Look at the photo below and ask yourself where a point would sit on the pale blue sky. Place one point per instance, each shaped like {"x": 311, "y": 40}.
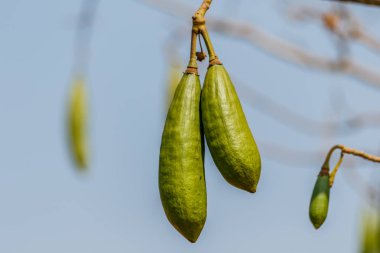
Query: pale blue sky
{"x": 47, "y": 207}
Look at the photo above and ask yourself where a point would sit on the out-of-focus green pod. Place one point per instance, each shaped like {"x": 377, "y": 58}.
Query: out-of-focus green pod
{"x": 227, "y": 132}
{"x": 181, "y": 171}
{"x": 319, "y": 204}
{"x": 370, "y": 241}
{"x": 78, "y": 122}
{"x": 175, "y": 75}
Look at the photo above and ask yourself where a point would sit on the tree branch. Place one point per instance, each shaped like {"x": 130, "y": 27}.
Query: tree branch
{"x": 367, "y": 2}
{"x": 83, "y": 35}
{"x": 355, "y": 152}
{"x": 347, "y": 25}
{"x": 293, "y": 53}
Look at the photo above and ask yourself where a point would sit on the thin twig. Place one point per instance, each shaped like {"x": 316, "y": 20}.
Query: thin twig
{"x": 350, "y": 151}
{"x": 352, "y": 29}
{"x": 368, "y": 40}
{"x": 293, "y": 53}
{"x": 335, "y": 170}
{"x": 344, "y": 150}
{"x": 300, "y": 158}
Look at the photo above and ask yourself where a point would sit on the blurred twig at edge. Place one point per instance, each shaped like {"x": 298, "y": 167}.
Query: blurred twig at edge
{"x": 367, "y": 2}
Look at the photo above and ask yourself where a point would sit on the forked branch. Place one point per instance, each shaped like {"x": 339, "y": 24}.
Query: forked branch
{"x": 199, "y": 27}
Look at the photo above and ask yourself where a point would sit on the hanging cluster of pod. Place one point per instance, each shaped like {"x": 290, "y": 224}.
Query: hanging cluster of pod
{"x": 216, "y": 113}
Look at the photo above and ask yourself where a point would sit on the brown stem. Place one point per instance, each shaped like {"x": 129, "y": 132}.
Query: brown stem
{"x": 212, "y": 56}
{"x": 199, "y": 27}
{"x": 201, "y": 12}
{"x": 351, "y": 151}
{"x": 198, "y": 22}
{"x": 344, "y": 150}
{"x": 335, "y": 170}
{"x": 367, "y": 2}
{"x": 202, "y": 29}
{"x": 192, "y": 66}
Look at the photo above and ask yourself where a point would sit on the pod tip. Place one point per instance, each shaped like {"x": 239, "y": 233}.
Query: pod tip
{"x": 252, "y": 189}
{"x": 317, "y": 222}
{"x": 317, "y": 225}
{"x": 192, "y": 238}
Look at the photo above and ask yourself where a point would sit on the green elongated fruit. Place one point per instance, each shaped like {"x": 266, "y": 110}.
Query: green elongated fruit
{"x": 370, "y": 242}
{"x": 174, "y": 78}
{"x": 181, "y": 170}
{"x": 228, "y": 136}
{"x": 319, "y": 203}
{"x": 78, "y": 122}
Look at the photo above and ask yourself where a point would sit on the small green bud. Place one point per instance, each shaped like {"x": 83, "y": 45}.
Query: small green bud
{"x": 319, "y": 203}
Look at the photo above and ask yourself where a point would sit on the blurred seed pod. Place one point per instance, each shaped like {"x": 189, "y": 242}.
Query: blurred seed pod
{"x": 77, "y": 122}
{"x": 370, "y": 234}
{"x": 175, "y": 75}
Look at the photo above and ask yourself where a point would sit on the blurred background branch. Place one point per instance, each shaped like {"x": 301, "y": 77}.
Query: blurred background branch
{"x": 84, "y": 29}
{"x": 276, "y": 46}
{"x": 368, "y": 2}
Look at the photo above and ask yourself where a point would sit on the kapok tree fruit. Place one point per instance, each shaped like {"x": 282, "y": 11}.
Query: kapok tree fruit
{"x": 181, "y": 169}
{"x": 173, "y": 80}
{"x": 77, "y": 123}
{"x": 227, "y": 132}
{"x": 370, "y": 233}
{"x": 319, "y": 203}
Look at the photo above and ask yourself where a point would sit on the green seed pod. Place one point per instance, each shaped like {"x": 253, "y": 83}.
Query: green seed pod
{"x": 319, "y": 204}
{"x": 228, "y": 136}
{"x": 181, "y": 171}
{"x": 77, "y": 122}
{"x": 174, "y": 78}
{"x": 370, "y": 242}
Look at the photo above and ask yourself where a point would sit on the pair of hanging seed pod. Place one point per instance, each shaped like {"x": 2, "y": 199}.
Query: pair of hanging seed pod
{"x": 215, "y": 112}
